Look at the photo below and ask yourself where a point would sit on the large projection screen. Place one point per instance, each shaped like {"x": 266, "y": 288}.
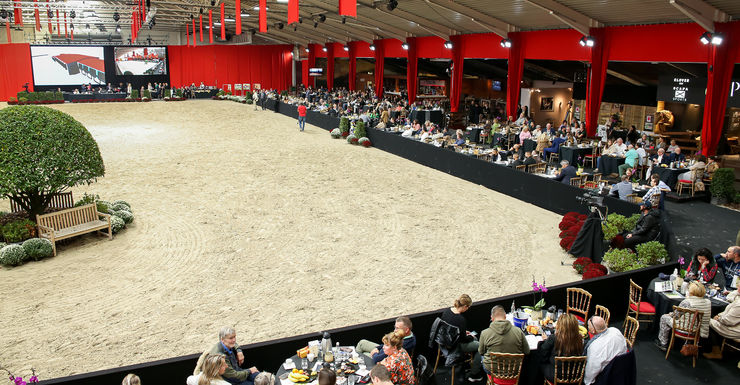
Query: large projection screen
{"x": 67, "y": 66}
{"x": 141, "y": 60}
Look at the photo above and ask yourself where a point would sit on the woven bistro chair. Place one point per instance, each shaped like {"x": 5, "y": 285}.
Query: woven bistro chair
{"x": 505, "y": 368}
{"x": 686, "y": 326}
{"x": 578, "y": 303}
{"x": 631, "y": 326}
{"x": 576, "y": 181}
{"x": 602, "y": 312}
{"x": 589, "y": 184}
{"x": 569, "y": 370}
{"x": 636, "y": 306}
{"x": 590, "y": 158}
{"x": 522, "y": 168}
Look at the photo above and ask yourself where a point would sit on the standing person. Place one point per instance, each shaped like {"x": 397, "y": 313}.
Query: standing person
{"x": 302, "y": 116}
{"x": 566, "y": 342}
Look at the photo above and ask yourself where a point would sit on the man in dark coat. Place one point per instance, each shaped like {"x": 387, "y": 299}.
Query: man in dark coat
{"x": 566, "y": 172}
{"x": 647, "y": 227}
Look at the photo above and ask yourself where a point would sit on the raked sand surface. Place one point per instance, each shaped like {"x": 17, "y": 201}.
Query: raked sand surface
{"x": 237, "y": 214}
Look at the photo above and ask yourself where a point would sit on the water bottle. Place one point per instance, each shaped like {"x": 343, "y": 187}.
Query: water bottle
{"x": 674, "y": 275}
{"x": 513, "y": 308}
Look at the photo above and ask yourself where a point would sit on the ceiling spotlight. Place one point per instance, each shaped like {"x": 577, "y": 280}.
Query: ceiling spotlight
{"x": 405, "y": 46}
{"x": 315, "y": 24}
{"x": 587, "y": 41}
{"x": 346, "y": 48}
{"x": 344, "y": 20}
{"x": 116, "y": 16}
{"x": 324, "y": 49}
{"x": 213, "y": 3}
{"x": 717, "y": 39}
{"x": 372, "y": 47}
{"x": 705, "y": 38}
{"x": 118, "y": 28}
{"x": 448, "y": 44}
{"x": 295, "y": 28}
{"x": 280, "y": 25}
{"x": 72, "y": 14}
{"x": 322, "y": 18}
{"x": 49, "y": 13}
{"x": 505, "y": 43}
{"x": 307, "y": 50}
{"x": 3, "y": 14}
{"x": 392, "y": 4}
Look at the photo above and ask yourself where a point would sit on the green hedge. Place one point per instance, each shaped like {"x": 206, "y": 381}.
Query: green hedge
{"x": 40, "y": 96}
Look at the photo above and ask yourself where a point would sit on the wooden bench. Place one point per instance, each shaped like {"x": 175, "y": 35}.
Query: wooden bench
{"x": 63, "y": 200}
{"x": 72, "y": 222}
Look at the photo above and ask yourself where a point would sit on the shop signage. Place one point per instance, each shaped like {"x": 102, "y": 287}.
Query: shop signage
{"x": 734, "y": 99}
{"x": 682, "y": 89}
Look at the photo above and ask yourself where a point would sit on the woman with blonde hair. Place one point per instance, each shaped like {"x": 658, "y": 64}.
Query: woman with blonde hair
{"x": 397, "y": 361}
{"x": 467, "y": 343}
{"x": 131, "y": 379}
{"x": 214, "y": 365}
{"x": 694, "y": 300}
{"x": 566, "y": 342}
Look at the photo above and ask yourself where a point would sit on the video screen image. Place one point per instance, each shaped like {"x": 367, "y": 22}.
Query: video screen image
{"x": 141, "y": 60}
{"x": 67, "y": 66}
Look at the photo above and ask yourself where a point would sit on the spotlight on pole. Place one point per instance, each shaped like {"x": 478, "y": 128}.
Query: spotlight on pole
{"x": 405, "y": 46}
{"x": 505, "y": 43}
{"x": 448, "y": 44}
{"x": 717, "y": 39}
{"x": 116, "y": 16}
{"x": 705, "y": 38}
{"x": 322, "y": 18}
{"x": 346, "y": 47}
{"x": 324, "y": 49}
{"x": 372, "y": 47}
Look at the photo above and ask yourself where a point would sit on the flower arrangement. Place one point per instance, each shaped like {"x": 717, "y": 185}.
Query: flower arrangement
{"x": 538, "y": 288}
{"x": 352, "y": 139}
{"x": 364, "y": 141}
{"x": 567, "y": 242}
{"x": 19, "y": 380}
{"x": 594, "y": 270}
{"x": 681, "y": 264}
{"x": 581, "y": 263}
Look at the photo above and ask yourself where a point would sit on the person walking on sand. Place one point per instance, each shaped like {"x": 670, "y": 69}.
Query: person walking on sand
{"x": 302, "y": 116}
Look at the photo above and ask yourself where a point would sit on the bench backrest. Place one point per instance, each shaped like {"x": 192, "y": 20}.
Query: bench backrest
{"x": 63, "y": 200}
{"x": 70, "y": 217}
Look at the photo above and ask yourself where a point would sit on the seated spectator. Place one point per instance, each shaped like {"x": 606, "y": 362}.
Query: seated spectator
{"x": 566, "y": 172}
{"x": 565, "y": 342}
{"x": 501, "y": 337}
{"x": 631, "y": 159}
{"x": 730, "y": 264}
{"x": 529, "y": 159}
{"x": 515, "y": 161}
{"x": 556, "y": 143}
{"x": 601, "y": 349}
{"x": 695, "y": 300}
{"x": 213, "y": 367}
{"x": 660, "y": 143}
{"x": 227, "y": 346}
{"x": 622, "y": 189}
{"x": 677, "y": 156}
{"x": 647, "y": 227}
{"x": 375, "y": 350}
{"x": 525, "y": 134}
{"x": 672, "y": 147}
{"x": 131, "y": 379}
{"x": 397, "y": 361}
{"x": 380, "y": 375}
{"x": 467, "y": 343}
{"x": 327, "y": 377}
{"x": 655, "y": 193}
{"x": 725, "y": 325}
{"x": 703, "y": 268}
{"x": 696, "y": 170}
{"x": 460, "y": 138}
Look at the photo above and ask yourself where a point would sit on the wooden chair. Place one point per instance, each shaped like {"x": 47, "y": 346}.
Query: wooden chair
{"x": 576, "y": 181}
{"x": 505, "y": 368}
{"x": 597, "y": 177}
{"x": 578, "y": 302}
{"x": 589, "y": 184}
{"x": 734, "y": 344}
{"x": 634, "y": 198}
{"x": 522, "y": 168}
{"x": 569, "y": 370}
{"x": 554, "y": 157}
{"x": 540, "y": 168}
{"x": 684, "y": 183}
{"x": 469, "y": 358}
{"x": 602, "y": 312}
{"x": 686, "y": 326}
{"x": 630, "y": 330}
{"x": 636, "y": 306}
{"x": 590, "y": 158}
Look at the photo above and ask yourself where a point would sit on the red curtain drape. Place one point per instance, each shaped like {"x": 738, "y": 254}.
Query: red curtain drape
{"x": 457, "y": 72}
{"x": 238, "y": 18}
{"x": 379, "y": 66}
{"x": 514, "y": 78}
{"x": 17, "y": 13}
{"x": 330, "y": 65}
{"x": 348, "y": 8}
{"x": 268, "y": 65}
{"x": 293, "y": 11}
{"x": 352, "y": 65}
{"x": 59, "y": 30}
{"x": 719, "y": 76}
{"x": 411, "y": 68}
{"x": 596, "y": 78}
{"x": 7, "y": 31}
{"x": 223, "y": 23}
{"x": 15, "y": 69}
{"x": 200, "y": 21}
{"x": 210, "y": 26}
{"x": 65, "y": 23}
{"x": 36, "y": 15}
{"x": 195, "y": 37}
{"x": 263, "y": 16}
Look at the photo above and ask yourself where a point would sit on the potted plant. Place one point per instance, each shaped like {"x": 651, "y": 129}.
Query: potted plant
{"x": 538, "y": 306}
{"x": 722, "y": 186}
{"x": 620, "y": 260}
{"x": 651, "y": 253}
{"x": 344, "y": 127}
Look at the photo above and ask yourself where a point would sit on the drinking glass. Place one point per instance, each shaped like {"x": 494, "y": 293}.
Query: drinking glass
{"x": 304, "y": 363}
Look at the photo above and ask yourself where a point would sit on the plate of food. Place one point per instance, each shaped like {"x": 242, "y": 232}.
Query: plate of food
{"x": 299, "y": 376}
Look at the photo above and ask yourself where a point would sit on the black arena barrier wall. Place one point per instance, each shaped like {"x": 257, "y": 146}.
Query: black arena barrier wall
{"x": 610, "y": 291}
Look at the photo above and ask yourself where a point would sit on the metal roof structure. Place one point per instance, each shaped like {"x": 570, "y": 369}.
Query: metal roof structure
{"x": 379, "y": 19}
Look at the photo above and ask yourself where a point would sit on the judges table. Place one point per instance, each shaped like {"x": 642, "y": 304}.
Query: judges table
{"x": 70, "y": 97}
{"x": 205, "y": 94}
{"x": 669, "y": 175}
{"x": 574, "y": 153}
{"x": 610, "y": 164}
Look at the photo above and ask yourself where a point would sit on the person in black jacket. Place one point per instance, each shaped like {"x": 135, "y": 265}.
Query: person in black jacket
{"x": 647, "y": 227}
{"x": 467, "y": 343}
{"x": 529, "y": 160}
{"x": 566, "y": 172}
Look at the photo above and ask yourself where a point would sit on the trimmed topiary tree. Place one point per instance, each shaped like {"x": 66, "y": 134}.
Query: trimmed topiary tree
{"x": 12, "y": 255}
{"x": 723, "y": 185}
{"x": 45, "y": 151}
{"x": 344, "y": 126}
{"x": 38, "y": 248}
{"x": 135, "y": 94}
{"x": 360, "y": 130}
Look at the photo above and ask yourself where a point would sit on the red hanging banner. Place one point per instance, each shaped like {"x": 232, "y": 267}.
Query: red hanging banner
{"x": 195, "y": 39}
{"x": 293, "y": 12}
{"x": 238, "y": 18}
{"x": 201, "y": 27}
{"x": 348, "y": 8}
{"x": 263, "y": 15}
{"x": 223, "y": 23}
{"x": 7, "y": 30}
{"x": 210, "y": 26}
{"x": 65, "y": 25}
{"x": 187, "y": 33}
{"x": 36, "y": 15}
{"x": 59, "y": 30}
{"x": 48, "y": 19}
{"x": 17, "y": 13}
{"x": 72, "y": 33}
{"x": 143, "y": 10}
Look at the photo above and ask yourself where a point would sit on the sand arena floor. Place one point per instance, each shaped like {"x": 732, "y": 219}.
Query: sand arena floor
{"x": 236, "y": 214}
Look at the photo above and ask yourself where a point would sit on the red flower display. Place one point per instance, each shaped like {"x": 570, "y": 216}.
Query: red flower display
{"x": 581, "y": 263}
{"x": 567, "y": 242}
{"x": 594, "y": 270}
